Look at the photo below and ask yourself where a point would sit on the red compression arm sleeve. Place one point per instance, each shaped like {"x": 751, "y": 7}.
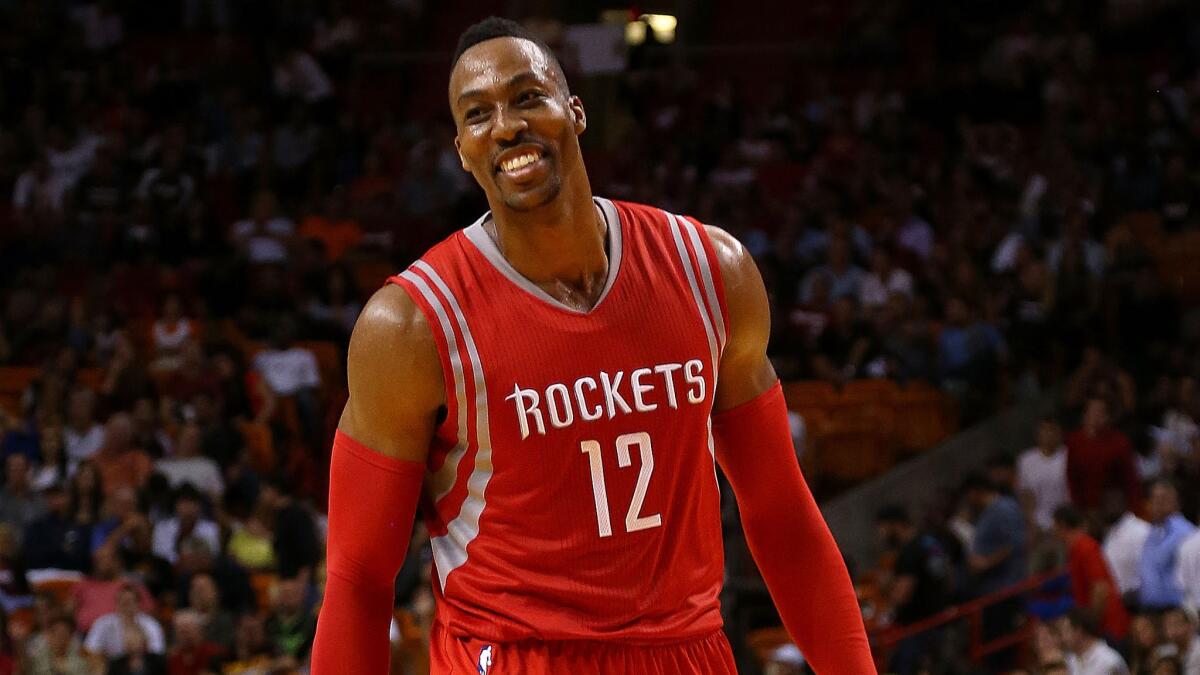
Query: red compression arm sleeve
{"x": 788, "y": 537}
{"x": 372, "y": 502}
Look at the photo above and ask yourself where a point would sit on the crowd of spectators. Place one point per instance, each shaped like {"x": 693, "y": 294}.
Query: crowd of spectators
{"x": 937, "y": 191}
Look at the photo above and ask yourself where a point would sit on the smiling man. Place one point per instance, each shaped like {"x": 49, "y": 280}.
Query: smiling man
{"x": 555, "y": 384}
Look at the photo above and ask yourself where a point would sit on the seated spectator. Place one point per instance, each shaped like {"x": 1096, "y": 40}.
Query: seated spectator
{"x": 87, "y": 493}
{"x": 216, "y": 622}
{"x": 96, "y": 595}
{"x": 197, "y": 558}
{"x": 60, "y": 653}
{"x": 265, "y": 237}
{"x": 191, "y": 652}
{"x": 920, "y": 583}
{"x": 126, "y": 379}
{"x": 138, "y": 659}
{"x": 1189, "y": 571}
{"x": 1088, "y": 653}
{"x": 1092, "y": 585}
{"x": 136, "y": 542}
{"x": 845, "y": 346}
{"x": 297, "y": 548}
{"x": 83, "y": 435}
{"x": 189, "y": 467}
{"x": 843, "y": 276}
{"x": 14, "y": 588}
{"x": 20, "y": 504}
{"x": 52, "y": 468}
{"x": 969, "y": 349}
{"x": 292, "y": 624}
{"x": 122, "y": 464}
{"x": 109, "y": 635}
{"x": 219, "y": 436}
{"x": 335, "y": 307}
{"x": 119, "y": 508}
{"x": 252, "y": 651}
{"x": 883, "y": 280}
{"x": 187, "y": 522}
{"x": 1179, "y": 628}
{"x": 251, "y": 542}
{"x": 292, "y": 371}
{"x": 1157, "y": 570}
{"x": 193, "y": 376}
{"x": 171, "y": 331}
{"x": 148, "y": 432}
{"x": 334, "y": 227}
{"x": 56, "y": 539}
{"x": 1042, "y": 475}
{"x": 1144, "y": 639}
{"x": 1100, "y": 458}
{"x": 1126, "y": 535}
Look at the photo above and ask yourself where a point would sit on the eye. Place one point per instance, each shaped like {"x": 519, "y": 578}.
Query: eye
{"x": 473, "y": 114}
{"x": 529, "y": 95}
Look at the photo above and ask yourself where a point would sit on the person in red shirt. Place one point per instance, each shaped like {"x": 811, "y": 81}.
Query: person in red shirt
{"x": 1099, "y": 459}
{"x": 1092, "y": 584}
{"x": 192, "y": 652}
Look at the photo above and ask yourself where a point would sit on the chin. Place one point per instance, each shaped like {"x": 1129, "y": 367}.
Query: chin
{"x": 535, "y": 197}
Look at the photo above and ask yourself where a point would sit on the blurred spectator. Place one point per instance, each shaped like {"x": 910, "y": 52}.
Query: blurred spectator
{"x": 1100, "y": 458}
{"x": 170, "y": 332}
{"x": 291, "y": 371}
{"x": 83, "y": 435}
{"x": 191, "y": 652}
{"x": 334, "y": 308}
{"x": 189, "y": 467}
{"x": 14, "y": 587}
{"x": 1144, "y": 639}
{"x": 251, "y": 649}
{"x": 839, "y": 272}
{"x": 217, "y": 623}
{"x": 196, "y": 557}
{"x": 1092, "y": 585}
{"x": 297, "y": 548}
{"x": 970, "y": 349}
{"x": 87, "y": 493}
{"x": 52, "y": 468}
{"x": 188, "y": 522}
{"x": 1042, "y": 475}
{"x": 138, "y": 657}
{"x": 1089, "y": 655}
{"x": 1179, "y": 628}
{"x": 119, "y": 509}
{"x": 135, "y": 540}
{"x": 1189, "y": 571}
{"x": 997, "y": 557}
{"x": 919, "y": 587}
{"x": 121, "y": 464}
{"x": 109, "y": 634}
{"x": 251, "y": 542}
{"x": 292, "y": 624}
{"x": 20, "y": 504}
{"x": 1157, "y": 570}
{"x": 97, "y": 594}
{"x": 333, "y": 226}
{"x": 60, "y": 653}
{"x": 56, "y": 539}
{"x": 265, "y": 237}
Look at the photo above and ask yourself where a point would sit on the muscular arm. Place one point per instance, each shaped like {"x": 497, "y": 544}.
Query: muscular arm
{"x": 375, "y": 477}
{"x": 795, "y": 552}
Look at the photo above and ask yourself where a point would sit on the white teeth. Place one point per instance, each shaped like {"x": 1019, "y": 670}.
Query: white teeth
{"x": 518, "y": 162}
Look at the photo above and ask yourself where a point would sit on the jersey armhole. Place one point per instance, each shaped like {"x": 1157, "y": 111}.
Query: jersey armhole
{"x": 440, "y": 338}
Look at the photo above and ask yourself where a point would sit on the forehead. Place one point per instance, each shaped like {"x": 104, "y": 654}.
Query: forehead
{"x": 491, "y": 64}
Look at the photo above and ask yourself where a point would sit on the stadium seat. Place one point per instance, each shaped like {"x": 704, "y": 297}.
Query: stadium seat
{"x": 869, "y": 391}
{"x": 923, "y": 417}
{"x": 848, "y": 451}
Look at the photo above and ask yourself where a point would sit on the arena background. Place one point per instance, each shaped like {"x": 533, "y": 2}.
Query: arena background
{"x": 977, "y": 222}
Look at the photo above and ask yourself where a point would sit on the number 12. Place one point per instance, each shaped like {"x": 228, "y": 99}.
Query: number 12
{"x": 634, "y": 521}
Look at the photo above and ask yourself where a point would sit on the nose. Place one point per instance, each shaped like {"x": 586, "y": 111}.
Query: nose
{"x": 508, "y": 125}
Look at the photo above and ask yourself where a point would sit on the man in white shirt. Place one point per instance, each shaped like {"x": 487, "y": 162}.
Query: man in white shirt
{"x": 187, "y": 523}
{"x": 188, "y": 466}
{"x": 1123, "y": 550}
{"x": 1179, "y": 628}
{"x": 1089, "y": 655}
{"x": 1042, "y": 475}
{"x": 106, "y": 638}
{"x": 1189, "y": 571}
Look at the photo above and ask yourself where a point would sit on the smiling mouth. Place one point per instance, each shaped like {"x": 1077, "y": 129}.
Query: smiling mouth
{"x": 518, "y": 162}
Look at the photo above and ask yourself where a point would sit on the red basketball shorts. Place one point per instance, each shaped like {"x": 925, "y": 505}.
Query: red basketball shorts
{"x": 451, "y": 655}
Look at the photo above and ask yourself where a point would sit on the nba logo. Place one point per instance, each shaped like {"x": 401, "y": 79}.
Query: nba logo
{"x": 485, "y": 660}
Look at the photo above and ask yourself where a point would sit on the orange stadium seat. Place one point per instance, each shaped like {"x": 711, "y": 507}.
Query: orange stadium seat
{"x": 869, "y": 391}
{"x": 924, "y": 417}
{"x": 849, "y": 451}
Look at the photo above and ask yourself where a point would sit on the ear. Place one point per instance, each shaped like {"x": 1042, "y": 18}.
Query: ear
{"x": 578, "y": 113}
{"x": 461, "y": 158}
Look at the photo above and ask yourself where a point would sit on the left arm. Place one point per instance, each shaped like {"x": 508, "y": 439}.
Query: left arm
{"x": 787, "y": 535}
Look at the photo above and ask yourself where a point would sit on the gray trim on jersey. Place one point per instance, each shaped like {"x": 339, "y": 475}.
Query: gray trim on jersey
{"x": 690, "y": 272}
{"x": 441, "y": 481}
{"x": 487, "y": 246}
{"x": 450, "y": 549}
{"x": 706, "y": 275}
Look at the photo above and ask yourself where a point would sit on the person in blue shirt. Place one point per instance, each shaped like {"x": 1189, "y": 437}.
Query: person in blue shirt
{"x": 1160, "y": 588}
{"x": 997, "y": 559}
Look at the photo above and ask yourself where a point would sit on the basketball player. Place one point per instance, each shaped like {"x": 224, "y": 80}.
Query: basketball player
{"x": 555, "y": 384}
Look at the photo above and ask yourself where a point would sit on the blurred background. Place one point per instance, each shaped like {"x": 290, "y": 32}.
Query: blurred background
{"x": 976, "y": 221}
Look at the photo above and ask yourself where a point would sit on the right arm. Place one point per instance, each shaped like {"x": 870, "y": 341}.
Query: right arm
{"x": 396, "y": 390}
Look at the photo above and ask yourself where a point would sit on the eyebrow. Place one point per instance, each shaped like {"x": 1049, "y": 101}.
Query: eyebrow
{"x": 512, "y": 82}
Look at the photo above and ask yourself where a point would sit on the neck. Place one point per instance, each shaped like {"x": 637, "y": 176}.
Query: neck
{"x": 558, "y": 244}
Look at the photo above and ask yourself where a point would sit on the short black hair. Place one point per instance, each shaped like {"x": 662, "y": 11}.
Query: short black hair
{"x": 892, "y": 514}
{"x": 1085, "y": 620}
{"x": 1068, "y": 516}
{"x": 497, "y": 27}
{"x": 977, "y": 481}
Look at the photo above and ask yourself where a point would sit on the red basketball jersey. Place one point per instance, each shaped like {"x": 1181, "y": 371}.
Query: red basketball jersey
{"x": 571, "y": 490}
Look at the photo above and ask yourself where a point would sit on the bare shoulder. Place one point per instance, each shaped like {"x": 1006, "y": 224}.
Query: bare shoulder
{"x": 394, "y": 375}
{"x": 745, "y": 370}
